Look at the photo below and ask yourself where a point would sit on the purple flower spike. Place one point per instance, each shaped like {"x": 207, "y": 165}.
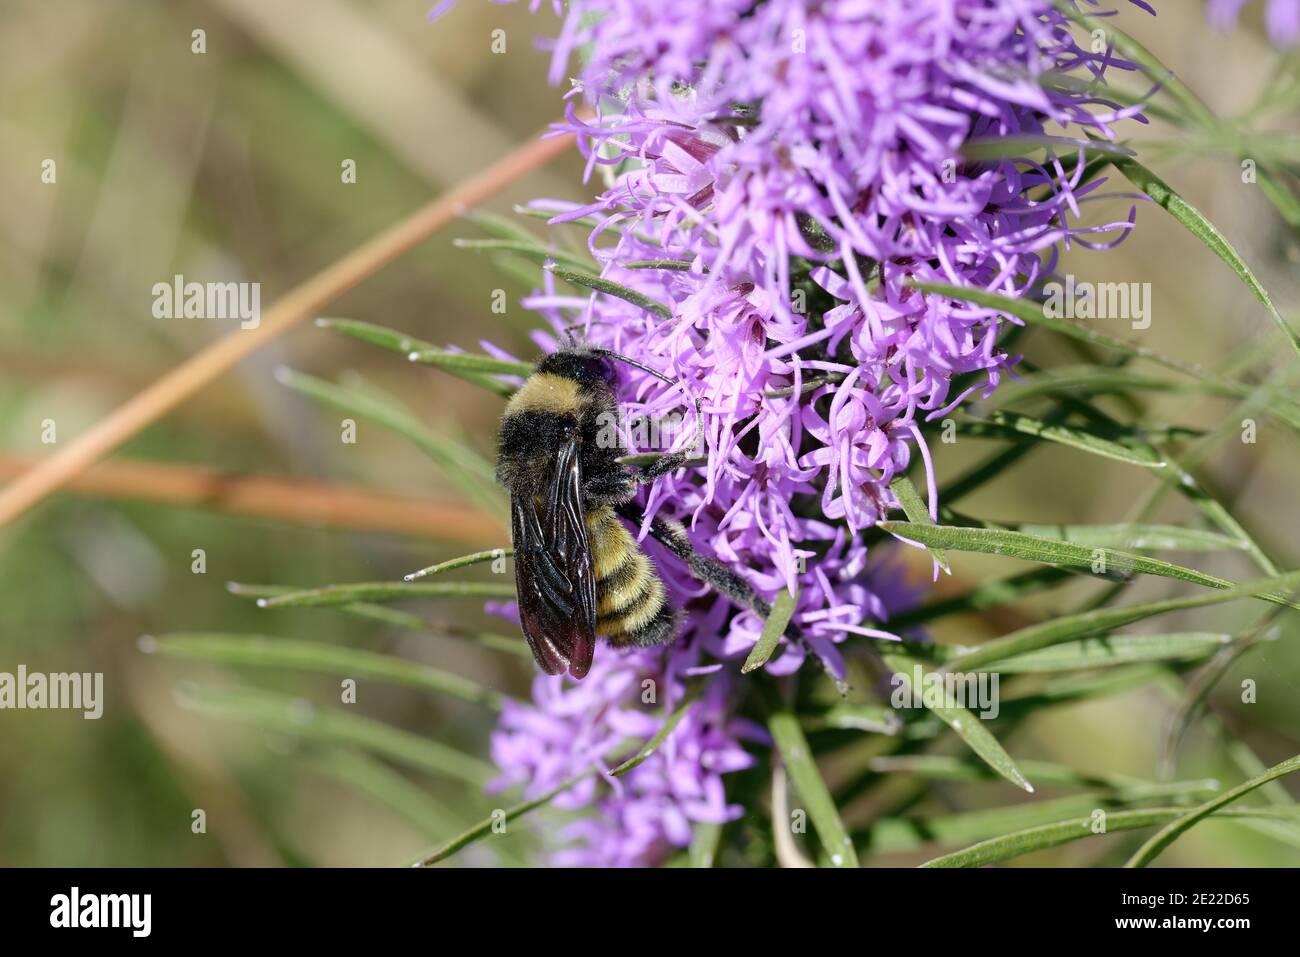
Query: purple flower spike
{"x": 805, "y": 164}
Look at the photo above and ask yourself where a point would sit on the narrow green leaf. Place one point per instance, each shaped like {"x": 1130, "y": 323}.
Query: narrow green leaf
{"x": 1205, "y": 231}
{"x": 485, "y": 826}
{"x": 1101, "y": 621}
{"x": 773, "y": 629}
{"x": 375, "y": 335}
{"x": 1010, "y": 425}
{"x": 674, "y": 265}
{"x": 1114, "y": 650}
{"x": 910, "y": 501}
{"x": 962, "y": 828}
{"x": 807, "y": 780}
{"x": 532, "y": 250}
{"x": 1149, "y": 851}
{"x": 468, "y": 362}
{"x": 407, "y": 346}
{"x": 610, "y": 288}
{"x": 855, "y": 717}
{"x": 894, "y": 835}
{"x": 1045, "y": 836}
{"x": 351, "y": 593}
{"x": 502, "y": 227}
{"x": 1135, "y": 535}
{"x": 491, "y": 555}
{"x": 263, "y": 651}
{"x": 297, "y": 716}
{"x": 398, "y": 619}
{"x": 389, "y": 616}
{"x": 967, "y": 726}
{"x": 991, "y": 541}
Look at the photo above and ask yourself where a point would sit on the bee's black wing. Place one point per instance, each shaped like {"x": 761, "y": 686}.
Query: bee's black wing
{"x": 554, "y": 578}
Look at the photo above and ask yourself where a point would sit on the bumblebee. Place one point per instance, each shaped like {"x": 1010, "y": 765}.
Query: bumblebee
{"x": 578, "y": 571}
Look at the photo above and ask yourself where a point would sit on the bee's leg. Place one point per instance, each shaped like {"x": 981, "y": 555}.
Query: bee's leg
{"x": 662, "y": 465}
{"x": 612, "y": 487}
{"x": 718, "y": 576}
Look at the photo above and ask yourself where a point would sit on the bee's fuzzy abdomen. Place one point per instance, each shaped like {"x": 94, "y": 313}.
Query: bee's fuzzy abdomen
{"x": 632, "y": 604}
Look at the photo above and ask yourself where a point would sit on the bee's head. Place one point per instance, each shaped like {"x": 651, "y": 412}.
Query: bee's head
{"x": 584, "y": 366}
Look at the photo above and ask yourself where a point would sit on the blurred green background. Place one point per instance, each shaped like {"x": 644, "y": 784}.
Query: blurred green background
{"x": 226, "y": 165}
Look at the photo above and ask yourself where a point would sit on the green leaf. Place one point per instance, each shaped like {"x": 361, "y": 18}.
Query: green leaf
{"x": 674, "y": 265}
{"x": 1100, "y": 621}
{"x": 462, "y": 465}
{"x": 375, "y": 335}
{"x": 1139, "y": 536}
{"x": 807, "y": 780}
{"x": 469, "y": 367}
{"x": 468, "y": 362}
{"x": 485, "y": 826}
{"x": 1062, "y": 832}
{"x": 490, "y": 555}
{"x": 1010, "y": 425}
{"x": 855, "y": 717}
{"x": 1149, "y": 851}
{"x": 910, "y": 501}
{"x": 262, "y": 651}
{"x": 610, "y": 288}
{"x": 1114, "y": 650}
{"x": 528, "y": 249}
{"x": 992, "y": 541}
{"x": 1205, "y": 231}
{"x": 502, "y": 227}
{"x": 773, "y": 629}
{"x": 299, "y": 717}
{"x": 352, "y": 593}
{"x": 397, "y": 619}
{"x": 958, "y": 829}
{"x": 389, "y": 616}
{"x": 967, "y": 726}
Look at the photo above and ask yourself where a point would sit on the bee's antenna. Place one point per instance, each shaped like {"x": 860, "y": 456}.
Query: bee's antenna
{"x": 632, "y": 362}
